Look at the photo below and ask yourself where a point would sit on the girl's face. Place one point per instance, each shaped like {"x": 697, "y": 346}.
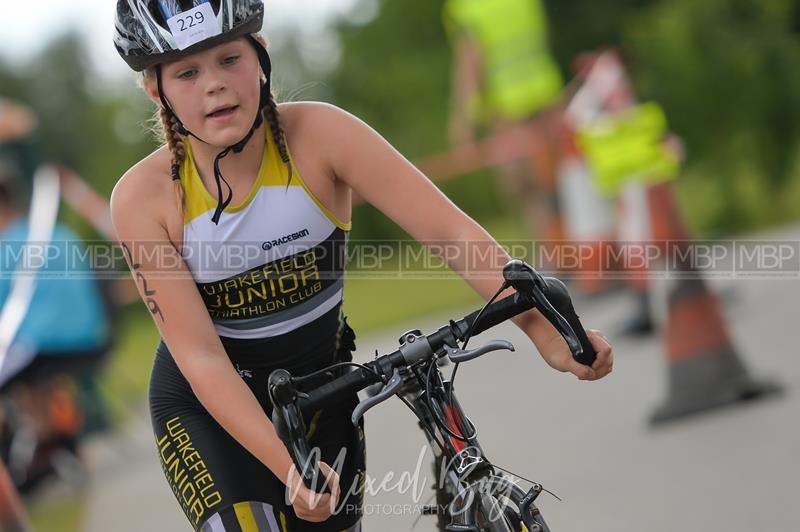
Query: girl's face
{"x": 216, "y": 92}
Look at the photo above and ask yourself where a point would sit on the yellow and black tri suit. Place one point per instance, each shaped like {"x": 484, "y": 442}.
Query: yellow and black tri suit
{"x": 271, "y": 276}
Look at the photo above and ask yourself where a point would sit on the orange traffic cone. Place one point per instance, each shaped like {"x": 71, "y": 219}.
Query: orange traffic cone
{"x": 705, "y": 370}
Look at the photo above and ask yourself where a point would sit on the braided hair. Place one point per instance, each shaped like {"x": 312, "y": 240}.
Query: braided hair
{"x": 174, "y": 141}
{"x": 273, "y": 119}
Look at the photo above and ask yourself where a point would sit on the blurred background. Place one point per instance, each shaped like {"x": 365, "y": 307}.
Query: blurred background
{"x": 721, "y": 83}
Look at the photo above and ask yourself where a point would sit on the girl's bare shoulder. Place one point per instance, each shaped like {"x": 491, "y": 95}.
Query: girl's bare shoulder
{"x": 308, "y": 118}
{"x": 146, "y": 188}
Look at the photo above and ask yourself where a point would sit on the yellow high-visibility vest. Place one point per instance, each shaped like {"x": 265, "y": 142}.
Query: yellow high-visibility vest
{"x": 521, "y": 77}
{"x": 628, "y": 147}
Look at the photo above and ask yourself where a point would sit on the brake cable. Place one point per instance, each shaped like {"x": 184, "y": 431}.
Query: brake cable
{"x": 458, "y": 419}
{"x": 436, "y": 417}
{"x": 559, "y": 499}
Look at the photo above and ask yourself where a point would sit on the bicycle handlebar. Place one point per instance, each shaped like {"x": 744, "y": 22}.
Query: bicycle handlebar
{"x": 548, "y": 295}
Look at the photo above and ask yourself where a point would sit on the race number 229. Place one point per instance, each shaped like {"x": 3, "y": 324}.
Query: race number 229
{"x": 191, "y": 21}
{"x": 193, "y": 26}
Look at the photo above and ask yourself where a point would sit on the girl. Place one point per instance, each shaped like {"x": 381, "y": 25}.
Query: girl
{"x": 270, "y": 186}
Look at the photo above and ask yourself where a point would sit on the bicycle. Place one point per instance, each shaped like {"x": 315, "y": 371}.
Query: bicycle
{"x": 475, "y": 496}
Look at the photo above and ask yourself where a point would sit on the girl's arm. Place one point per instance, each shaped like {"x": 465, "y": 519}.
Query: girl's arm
{"x": 168, "y": 290}
{"x": 370, "y": 165}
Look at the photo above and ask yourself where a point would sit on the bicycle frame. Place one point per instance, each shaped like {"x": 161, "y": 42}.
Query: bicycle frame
{"x": 467, "y": 470}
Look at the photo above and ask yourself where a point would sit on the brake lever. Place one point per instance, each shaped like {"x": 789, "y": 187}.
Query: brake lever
{"x": 457, "y": 355}
{"x": 558, "y": 321}
{"x": 391, "y": 388}
{"x": 525, "y": 279}
{"x": 291, "y": 428}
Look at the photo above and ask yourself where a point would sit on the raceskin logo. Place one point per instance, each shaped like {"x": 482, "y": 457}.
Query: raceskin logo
{"x": 269, "y": 244}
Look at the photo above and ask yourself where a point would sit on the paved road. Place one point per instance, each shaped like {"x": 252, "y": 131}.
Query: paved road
{"x": 736, "y": 470}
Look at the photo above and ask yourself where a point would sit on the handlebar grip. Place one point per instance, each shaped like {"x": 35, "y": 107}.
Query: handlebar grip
{"x": 558, "y": 296}
{"x": 335, "y": 390}
{"x": 291, "y": 429}
{"x": 498, "y": 312}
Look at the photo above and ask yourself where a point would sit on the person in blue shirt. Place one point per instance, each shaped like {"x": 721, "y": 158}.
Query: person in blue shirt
{"x": 55, "y": 329}
{"x": 65, "y": 315}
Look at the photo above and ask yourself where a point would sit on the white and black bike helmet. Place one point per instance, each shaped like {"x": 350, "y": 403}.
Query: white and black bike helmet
{"x": 147, "y": 32}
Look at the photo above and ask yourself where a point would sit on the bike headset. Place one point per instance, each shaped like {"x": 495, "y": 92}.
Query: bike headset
{"x": 144, "y": 38}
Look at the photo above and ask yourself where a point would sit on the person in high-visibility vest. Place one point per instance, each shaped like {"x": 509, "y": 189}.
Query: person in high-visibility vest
{"x": 504, "y": 75}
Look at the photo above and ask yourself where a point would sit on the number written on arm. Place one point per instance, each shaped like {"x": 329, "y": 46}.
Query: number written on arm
{"x": 149, "y": 295}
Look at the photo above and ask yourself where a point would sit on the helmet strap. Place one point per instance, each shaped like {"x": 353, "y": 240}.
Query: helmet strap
{"x": 165, "y": 104}
{"x": 265, "y": 95}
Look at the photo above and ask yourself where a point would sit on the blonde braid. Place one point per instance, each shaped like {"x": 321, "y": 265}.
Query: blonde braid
{"x": 175, "y": 143}
{"x": 274, "y": 121}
